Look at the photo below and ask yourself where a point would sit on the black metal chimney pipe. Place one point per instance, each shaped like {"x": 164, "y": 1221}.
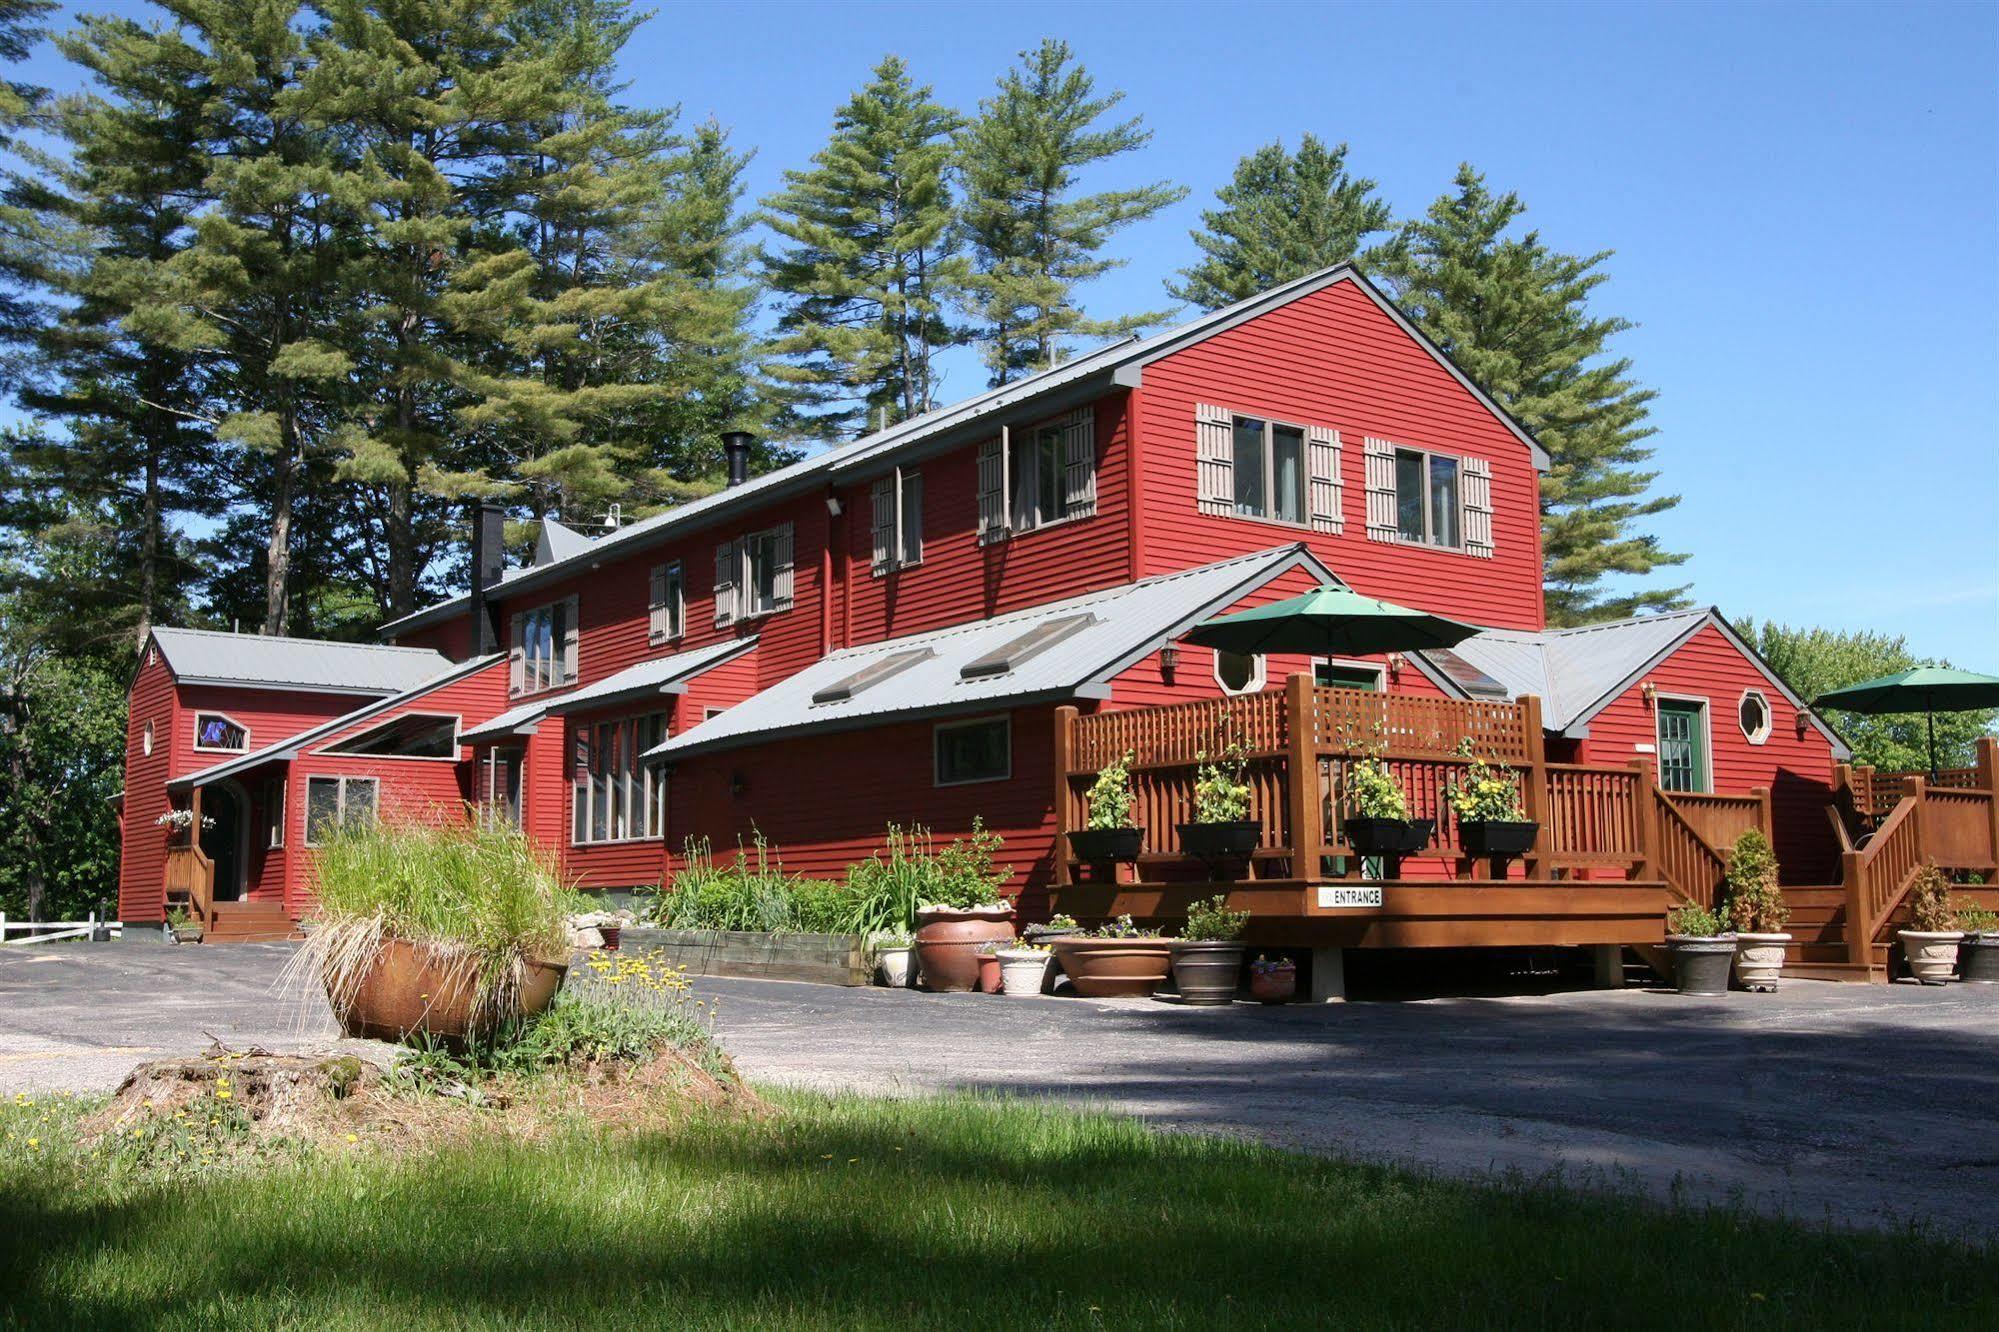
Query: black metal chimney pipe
{"x": 489, "y": 561}
{"x": 736, "y": 448}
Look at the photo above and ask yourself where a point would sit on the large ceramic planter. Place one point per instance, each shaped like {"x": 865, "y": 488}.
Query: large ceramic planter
{"x": 1273, "y": 985}
{"x": 409, "y": 991}
{"x": 1701, "y": 963}
{"x": 1207, "y": 971}
{"x": 1759, "y": 961}
{"x": 1978, "y": 959}
{"x": 1500, "y": 841}
{"x": 1932, "y": 955}
{"x": 1114, "y": 968}
{"x": 1023, "y": 971}
{"x": 1388, "y": 840}
{"x": 948, "y": 941}
{"x": 1218, "y": 843}
{"x": 1104, "y": 846}
{"x": 894, "y": 965}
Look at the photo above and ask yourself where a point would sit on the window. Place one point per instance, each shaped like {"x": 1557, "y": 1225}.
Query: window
{"x": 1426, "y": 498}
{"x": 667, "y": 607}
{"x": 146, "y": 741}
{"x": 274, "y": 813}
{"x": 1753, "y": 715}
{"x": 897, "y": 526}
{"x": 499, "y": 787}
{"x": 1039, "y": 475}
{"x": 974, "y": 751}
{"x": 753, "y": 575}
{"x": 1683, "y": 748}
{"x": 545, "y": 647}
{"x": 1347, "y": 675}
{"x": 415, "y": 735}
{"x": 214, "y": 731}
{"x": 1269, "y": 470}
{"x": 331, "y": 802}
{"x": 617, "y": 798}
{"x": 1238, "y": 672}
{"x": 1036, "y": 465}
{"x": 710, "y": 714}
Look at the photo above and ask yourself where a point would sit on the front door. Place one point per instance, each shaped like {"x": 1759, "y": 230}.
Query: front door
{"x": 1683, "y": 759}
{"x": 223, "y": 843}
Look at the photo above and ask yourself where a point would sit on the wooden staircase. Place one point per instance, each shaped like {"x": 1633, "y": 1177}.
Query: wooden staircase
{"x": 248, "y": 922}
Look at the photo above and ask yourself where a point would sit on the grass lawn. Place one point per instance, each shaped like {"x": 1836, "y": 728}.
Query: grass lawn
{"x": 857, "y": 1213}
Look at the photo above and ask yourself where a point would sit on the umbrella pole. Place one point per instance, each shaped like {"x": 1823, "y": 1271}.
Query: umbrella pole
{"x": 1933, "y": 744}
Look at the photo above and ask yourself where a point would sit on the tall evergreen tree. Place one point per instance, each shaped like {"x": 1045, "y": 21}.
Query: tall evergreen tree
{"x": 1284, "y": 215}
{"x": 1514, "y": 315}
{"x": 21, "y": 31}
{"x": 865, "y": 284}
{"x": 1033, "y": 238}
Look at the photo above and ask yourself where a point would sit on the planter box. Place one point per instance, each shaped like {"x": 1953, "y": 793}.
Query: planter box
{"x": 1978, "y": 958}
{"x": 1216, "y": 842}
{"x": 825, "y": 959}
{"x": 1107, "y": 845}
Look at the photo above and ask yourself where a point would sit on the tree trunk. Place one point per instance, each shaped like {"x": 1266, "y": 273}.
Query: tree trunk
{"x": 278, "y": 553}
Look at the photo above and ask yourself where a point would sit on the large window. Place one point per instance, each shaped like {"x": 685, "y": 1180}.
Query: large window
{"x": 499, "y": 787}
{"x": 214, "y": 731}
{"x": 753, "y": 575}
{"x": 897, "y": 524}
{"x": 1426, "y": 498}
{"x": 617, "y": 798}
{"x": 1044, "y": 474}
{"x": 974, "y": 751}
{"x": 1269, "y": 470}
{"x": 667, "y": 607}
{"x": 543, "y": 637}
{"x": 331, "y": 802}
{"x": 1036, "y": 465}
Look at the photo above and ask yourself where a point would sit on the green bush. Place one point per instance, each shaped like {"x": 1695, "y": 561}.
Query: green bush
{"x": 1110, "y": 797}
{"x": 753, "y": 893}
{"x": 1212, "y": 921}
{"x": 1695, "y": 920}
{"x": 884, "y": 890}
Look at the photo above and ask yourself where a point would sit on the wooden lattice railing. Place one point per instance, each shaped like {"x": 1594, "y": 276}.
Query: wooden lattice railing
{"x": 1954, "y": 827}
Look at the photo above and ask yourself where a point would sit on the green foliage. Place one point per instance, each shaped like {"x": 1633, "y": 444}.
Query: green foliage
{"x": 1213, "y": 921}
{"x": 1220, "y": 793}
{"x": 1814, "y": 661}
{"x": 890, "y": 884}
{"x": 1695, "y": 921}
{"x": 1110, "y": 796}
{"x": 1973, "y": 918}
{"x": 1931, "y": 909}
{"x": 1282, "y": 216}
{"x": 967, "y": 874}
{"x": 1753, "y": 904}
{"x": 1371, "y": 791}
{"x": 1489, "y": 791}
{"x": 753, "y": 892}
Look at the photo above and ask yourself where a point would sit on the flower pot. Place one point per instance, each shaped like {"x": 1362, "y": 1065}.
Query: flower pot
{"x": 1978, "y": 959}
{"x": 407, "y": 991}
{"x": 1389, "y": 840}
{"x": 1759, "y": 961}
{"x": 1218, "y": 843}
{"x": 1049, "y": 933}
{"x": 1273, "y": 985}
{"x": 1023, "y": 971}
{"x": 187, "y": 934}
{"x": 1207, "y": 971}
{"x": 1932, "y": 955}
{"x": 989, "y": 973}
{"x": 1114, "y": 968}
{"x": 948, "y": 940}
{"x": 1701, "y": 963}
{"x": 1499, "y": 840}
{"x": 1105, "y": 845}
{"x": 893, "y": 963}
{"x": 610, "y": 935}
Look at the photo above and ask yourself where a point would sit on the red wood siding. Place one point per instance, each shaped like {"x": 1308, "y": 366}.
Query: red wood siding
{"x": 1798, "y": 772}
{"x": 1335, "y": 359}
{"x": 143, "y": 854}
{"x": 452, "y": 637}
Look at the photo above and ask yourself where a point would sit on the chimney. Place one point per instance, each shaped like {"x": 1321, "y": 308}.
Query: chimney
{"x": 489, "y": 561}
{"x": 736, "y": 447}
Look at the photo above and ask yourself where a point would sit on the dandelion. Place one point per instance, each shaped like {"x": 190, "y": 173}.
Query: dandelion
{"x": 34, "y": 1142}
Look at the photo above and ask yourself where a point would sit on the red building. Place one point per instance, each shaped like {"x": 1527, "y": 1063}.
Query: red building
{"x": 883, "y": 632}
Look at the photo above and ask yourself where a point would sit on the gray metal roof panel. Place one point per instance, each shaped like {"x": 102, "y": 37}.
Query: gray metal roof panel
{"x": 205, "y": 656}
{"x": 655, "y": 676}
{"x": 1575, "y": 671}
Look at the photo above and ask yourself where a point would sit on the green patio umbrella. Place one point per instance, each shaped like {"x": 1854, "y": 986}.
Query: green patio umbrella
{"x": 1926, "y": 689}
{"x": 1333, "y": 621}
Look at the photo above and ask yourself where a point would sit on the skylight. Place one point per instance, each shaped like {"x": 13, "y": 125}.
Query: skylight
{"x": 414, "y": 735}
{"x": 872, "y": 674}
{"x": 1017, "y": 650}
{"x": 1467, "y": 676}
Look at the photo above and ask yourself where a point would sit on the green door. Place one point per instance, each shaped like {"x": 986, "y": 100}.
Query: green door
{"x": 1682, "y": 745}
{"x": 1334, "y": 676}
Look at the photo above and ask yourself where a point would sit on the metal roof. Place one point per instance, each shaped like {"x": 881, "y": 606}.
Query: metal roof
{"x": 658, "y": 677}
{"x": 1125, "y": 623}
{"x": 1574, "y": 672}
{"x": 206, "y": 656}
{"x": 1119, "y": 363}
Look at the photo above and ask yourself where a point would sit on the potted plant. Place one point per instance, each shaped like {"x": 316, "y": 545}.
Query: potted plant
{"x": 1492, "y": 819}
{"x": 892, "y": 950}
{"x": 1701, "y": 949}
{"x": 1207, "y": 961}
{"x": 1116, "y": 960}
{"x": 1377, "y": 815}
{"x": 1107, "y": 835}
{"x": 1273, "y": 980}
{"x": 1023, "y": 969}
{"x": 965, "y": 910}
{"x": 1059, "y": 926}
{"x": 1755, "y": 908}
{"x": 989, "y": 965}
{"x": 1978, "y": 951}
{"x": 1930, "y": 943}
{"x": 1222, "y": 830}
{"x": 184, "y": 927}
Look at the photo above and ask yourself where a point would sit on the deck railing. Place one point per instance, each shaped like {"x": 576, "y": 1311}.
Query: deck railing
{"x": 1873, "y": 792}
{"x": 191, "y": 872}
{"x": 1954, "y": 827}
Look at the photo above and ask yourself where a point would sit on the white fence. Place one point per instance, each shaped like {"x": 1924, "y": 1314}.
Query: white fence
{"x": 48, "y": 931}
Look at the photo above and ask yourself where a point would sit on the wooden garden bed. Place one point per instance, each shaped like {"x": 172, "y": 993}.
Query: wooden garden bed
{"x": 825, "y": 959}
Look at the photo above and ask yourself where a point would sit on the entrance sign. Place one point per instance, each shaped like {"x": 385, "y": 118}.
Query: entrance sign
{"x": 1356, "y": 895}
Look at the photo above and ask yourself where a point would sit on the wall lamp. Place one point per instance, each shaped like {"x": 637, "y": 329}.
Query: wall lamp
{"x": 1396, "y": 661}
{"x": 833, "y": 504}
{"x": 1802, "y": 719}
{"x": 1650, "y": 693}
{"x": 1169, "y": 662}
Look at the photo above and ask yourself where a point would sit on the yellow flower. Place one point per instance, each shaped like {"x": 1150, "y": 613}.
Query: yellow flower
{"x": 353, "y": 1137}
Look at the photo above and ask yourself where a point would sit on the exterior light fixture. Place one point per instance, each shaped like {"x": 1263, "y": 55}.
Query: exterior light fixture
{"x": 1649, "y": 692}
{"x": 1169, "y": 662}
{"x": 1802, "y": 719}
{"x": 833, "y": 504}
{"x": 1396, "y": 661}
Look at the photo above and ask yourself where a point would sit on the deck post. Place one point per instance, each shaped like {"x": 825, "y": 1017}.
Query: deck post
{"x": 1764, "y": 822}
{"x": 1609, "y": 960}
{"x": 1065, "y": 732}
{"x": 1988, "y": 782}
{"x": 1302, "y": 777}
{"x": 1329, "y": 975}
{"x": 1859, "y": 929}
{"x": 1646, "y": 819}
{"x": 1534, "y": 790}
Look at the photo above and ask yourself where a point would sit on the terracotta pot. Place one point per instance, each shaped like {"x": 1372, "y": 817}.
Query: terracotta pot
{"x": 610, "y": 934}
{"x": 1700, "y": 964}
{"x": 1023, "y": 971}
{"x": 989, "y": 973}
{"x": 1207, "y": 971}
{"x": 1932, "y": 955}
{"x": 1759, "y": 961}
{"x": 947, "y": 945}
{"x": 1978, "y": 959}
{"x": 406, "y": 991}
{"x": 1114, "y": 968}
{"x": 1274, "y": 985}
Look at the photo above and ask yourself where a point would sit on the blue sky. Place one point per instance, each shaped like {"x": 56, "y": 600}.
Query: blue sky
{"x": 1804, "y": 202}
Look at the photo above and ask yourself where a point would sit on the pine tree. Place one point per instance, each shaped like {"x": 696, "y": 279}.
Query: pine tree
{"x": 20, "y": 102}
{"x": 1284, "y": 215}
{"x": 866, "y": 282}
{"x": 1034, "y": 240}
{"x": 1514, "y": 315}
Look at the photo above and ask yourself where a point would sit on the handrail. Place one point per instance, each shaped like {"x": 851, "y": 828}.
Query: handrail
{"x": 189, "y": 870}
{"x": 1688, "y": 862}
{"x": 1876, "y": 878}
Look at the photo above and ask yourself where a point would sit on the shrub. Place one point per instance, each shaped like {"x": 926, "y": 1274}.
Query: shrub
{"x": 1220, "y": 793}
{"x": 966, "y": 873}
{"x": 1110, "y": 797}
{"x": 1212, "y": 921}
{"x": 1930, "y": 909}
{"x": 1754, "y": 903}
{"x": 1694, "y": 920}
{"x": 754, "y": 893}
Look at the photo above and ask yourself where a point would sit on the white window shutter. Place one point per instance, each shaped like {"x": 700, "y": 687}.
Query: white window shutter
{"x": 1214, "y": 454}
{"x": 572, "y": 638}
{"x": 781, "y": 579}
{"x": 992, "y": 490}
{"x": 1079, "y": 463}
{"x": 1478, "y": 507}
{"x": 656, "y": 609}
{"x": 1381, "y": 524}
{"x": 517, "y": 660}
{"x": 1327, "y": 497}
{"x": 725, "y": 584}
{"x": 882, "y": 528}
{"x": 909, "y": 520}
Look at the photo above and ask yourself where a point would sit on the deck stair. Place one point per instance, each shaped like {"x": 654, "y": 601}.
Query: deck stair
{"x": 248, "y": 922}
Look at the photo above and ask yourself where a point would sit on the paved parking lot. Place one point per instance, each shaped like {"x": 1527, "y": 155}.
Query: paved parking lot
{"x": 1858, "y": 1104}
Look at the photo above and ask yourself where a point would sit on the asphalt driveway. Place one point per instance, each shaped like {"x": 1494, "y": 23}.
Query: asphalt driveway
{"x": 1856, "y": 1104}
